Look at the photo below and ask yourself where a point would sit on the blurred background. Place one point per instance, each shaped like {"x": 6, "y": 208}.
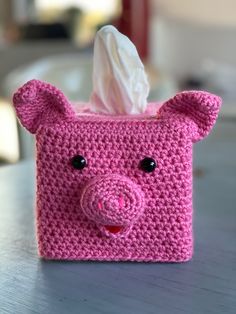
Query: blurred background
{"x": 184, "y": 44}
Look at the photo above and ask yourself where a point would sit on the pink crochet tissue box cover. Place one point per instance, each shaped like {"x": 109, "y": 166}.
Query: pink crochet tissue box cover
{"x": 114, "y": 188}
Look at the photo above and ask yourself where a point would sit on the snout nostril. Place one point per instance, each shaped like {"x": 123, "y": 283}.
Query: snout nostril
{"x": 121, "y": 201}
{"x": 100, "y": 205}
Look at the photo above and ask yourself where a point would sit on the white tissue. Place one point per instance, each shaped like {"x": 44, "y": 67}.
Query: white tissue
{"x": 120, "y": 84}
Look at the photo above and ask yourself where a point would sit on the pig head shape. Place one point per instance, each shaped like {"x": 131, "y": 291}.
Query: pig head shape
{"x": 114, "y": 187}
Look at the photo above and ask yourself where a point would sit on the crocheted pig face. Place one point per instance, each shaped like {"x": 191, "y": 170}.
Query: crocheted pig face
{"x": 114, "y": 187}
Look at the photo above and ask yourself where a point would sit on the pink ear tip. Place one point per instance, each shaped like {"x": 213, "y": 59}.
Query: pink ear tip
{"x": 27, "y": 93}
{"x": 212, "y": 101}
{"x": 215, "y": 100}
{"x": 209, "y": 100}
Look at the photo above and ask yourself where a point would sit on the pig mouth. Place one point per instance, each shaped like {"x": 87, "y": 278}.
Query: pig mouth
{"x": 114, "y": 229}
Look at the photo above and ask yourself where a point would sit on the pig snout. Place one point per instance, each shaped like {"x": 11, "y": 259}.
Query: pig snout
{"x": 113, "y": 202}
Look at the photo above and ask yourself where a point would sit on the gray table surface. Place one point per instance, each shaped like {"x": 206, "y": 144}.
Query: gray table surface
{"x": 207, "y": 284}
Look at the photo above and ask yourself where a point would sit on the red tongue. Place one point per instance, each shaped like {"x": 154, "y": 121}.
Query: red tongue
{"x": 114, "y": 229}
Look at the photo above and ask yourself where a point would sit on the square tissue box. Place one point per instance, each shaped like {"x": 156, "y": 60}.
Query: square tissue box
{"x": 114, "y": 181}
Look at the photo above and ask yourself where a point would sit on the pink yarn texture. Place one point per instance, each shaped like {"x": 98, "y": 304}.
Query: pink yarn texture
{"x": 128, "y": 196}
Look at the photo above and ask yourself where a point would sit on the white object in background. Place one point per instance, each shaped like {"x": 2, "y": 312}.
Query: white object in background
{"x": 120, "y": 84}
{"x": 9, "y": 145}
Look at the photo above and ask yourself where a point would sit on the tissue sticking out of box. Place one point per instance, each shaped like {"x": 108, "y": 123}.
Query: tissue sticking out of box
{"x": 120, "y": 84}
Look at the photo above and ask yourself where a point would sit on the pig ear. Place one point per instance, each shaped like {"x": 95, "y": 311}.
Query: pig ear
{"x": 38, "y": 103}
{"x": 198, "y": 109}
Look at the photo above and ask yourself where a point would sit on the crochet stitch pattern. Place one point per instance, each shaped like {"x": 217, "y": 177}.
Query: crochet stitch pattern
{"x": 110, "y": 208}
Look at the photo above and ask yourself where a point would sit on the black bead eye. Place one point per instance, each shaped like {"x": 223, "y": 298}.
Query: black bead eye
{"x": 78, "y": 162}
{"x": 148, "y": 164}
